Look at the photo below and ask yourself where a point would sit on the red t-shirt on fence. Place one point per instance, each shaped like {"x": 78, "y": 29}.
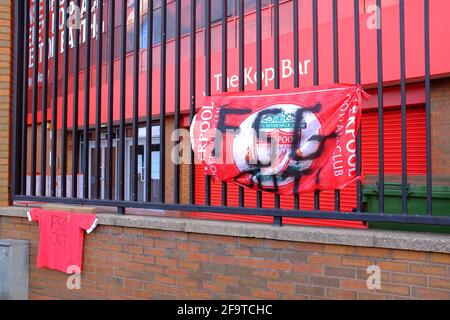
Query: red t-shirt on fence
{"x": 61, "y": 238}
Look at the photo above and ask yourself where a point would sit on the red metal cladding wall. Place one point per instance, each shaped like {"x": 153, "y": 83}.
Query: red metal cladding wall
{"x": 440, "y": 50}
{"x": 416, "y": 148}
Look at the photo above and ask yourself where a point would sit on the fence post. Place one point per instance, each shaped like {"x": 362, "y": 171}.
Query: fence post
{"x": 6, "y": 107}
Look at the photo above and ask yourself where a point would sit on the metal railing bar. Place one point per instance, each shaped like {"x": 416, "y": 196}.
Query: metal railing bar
{"x": 315, "y": 21}
{"x": 403, "y": 108}
{"x": 121, "y": 140}
{"x": 315, "y": 214}
{"x": 276, "y": 63}
{"x": 75, "y": 135}
{"x": 135, "y": 126}
{"x": 207, "y": 81}
{"x": 98, "y": 102}
{"x": 358, "y": 82}
{"x": 337, "y": 193}
{"x": 65, "y": 94}
{"x": 177, "y": 87}
{"x": 428, "y": 106}
{"x": 162, "y": 106}
{"x": 241, "y": 30}
{"x": 224, "y": 75}
{"x": 55, "y": 102}
{"x": 34, "y": 102}
{"x": 295, "y": 25}
{"x": 44, "y": 101}
{"x": 192, "y": 90}
{"x": 87, "y": 90}
{"x": 380, "y": 108}
{"x": 18, "y": 88}
{"x": 149, "y": 106}
{"x": 109, "y": 154}
{"x": 24, "y": 127}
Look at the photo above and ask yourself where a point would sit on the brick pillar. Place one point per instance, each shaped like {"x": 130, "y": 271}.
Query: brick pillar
{"x": 440, "y": 122}
{"x": 6, "y": 60}
{"x": 169, "y": 171}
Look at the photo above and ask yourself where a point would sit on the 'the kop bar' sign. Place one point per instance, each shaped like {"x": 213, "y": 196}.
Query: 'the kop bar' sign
{"x": 283, "y": 141}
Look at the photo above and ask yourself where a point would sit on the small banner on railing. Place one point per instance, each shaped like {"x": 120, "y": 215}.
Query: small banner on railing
{"x": 283, "y": 141}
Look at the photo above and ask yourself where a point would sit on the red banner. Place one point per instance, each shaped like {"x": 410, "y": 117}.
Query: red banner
{"x": 283, "y": 141}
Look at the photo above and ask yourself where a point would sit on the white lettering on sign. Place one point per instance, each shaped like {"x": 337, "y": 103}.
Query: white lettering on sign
{"x": 267, "y": 74}
{"x": 205, "y": 132}
{"x": 76, "y": 20}
{"x": 346, "y": 165}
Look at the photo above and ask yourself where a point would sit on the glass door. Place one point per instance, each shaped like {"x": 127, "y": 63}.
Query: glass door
{"x": 140, "y": 170}
{"x": 92, "y": 164}
{"x": 103, "y": 165}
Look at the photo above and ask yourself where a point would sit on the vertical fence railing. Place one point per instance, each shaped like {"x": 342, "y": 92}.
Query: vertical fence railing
{"x": 135, "y": 125}
{"x": 403, "y": 107}
{"x": 20, "y": 37}
{"x": 121, "y": 188}
{"x": 24, "y": 87}
{"x": 296, "y": 54}
{"x": 192, "y": 91}
{"x": 44, "y": 101}
{"x": 224, "y": 75}
{"x": 380, "y": 108}
{"x": 315, "y": 27}
{"x": 121, "y": 141}
{"x": 87, "y": 102}
{"x": 337, "y": 193}
{"x": 358, "y": 82}
{"x": 34, "y": 102}
{"x": 428, "y": 105}
{"x": 177, "y": 107}
{"x": 75, "y": 107}
{"x": 162, "y": 105}
{"x": 55, "y": 98}
{"x": 241, "y": 43}
{"x": 207, "y": 16}
{"x": 259, "y": 194}
{"x": 149, "y": 106}
{"x": 65, "y": 101}
{"x": 110, "y": 183}
{"x": 98, "y": 102}
{"x": 276, "y": 63}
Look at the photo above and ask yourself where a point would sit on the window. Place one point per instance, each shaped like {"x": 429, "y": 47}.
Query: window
{"x": 250, "y": 5}
{"x": 156, "y": 29}
{"x": 216, "y": 9}
{"x": 216, "y": 15}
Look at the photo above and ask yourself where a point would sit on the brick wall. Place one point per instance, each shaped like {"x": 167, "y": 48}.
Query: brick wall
{"x": 440, "y": 120}
{"x": 6, "y": 50}
{"x": 169, "y": 168}
{"x": 131, "y": 263}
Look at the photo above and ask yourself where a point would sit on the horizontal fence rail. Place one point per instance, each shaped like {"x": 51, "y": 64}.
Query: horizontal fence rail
{"x": 102, "y": 90}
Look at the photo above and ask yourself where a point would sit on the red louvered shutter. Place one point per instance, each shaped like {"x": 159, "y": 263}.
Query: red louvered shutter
{"x": 416, "y": 142}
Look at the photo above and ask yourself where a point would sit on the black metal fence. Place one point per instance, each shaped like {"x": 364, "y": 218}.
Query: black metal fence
{"x": 114, "y": 193}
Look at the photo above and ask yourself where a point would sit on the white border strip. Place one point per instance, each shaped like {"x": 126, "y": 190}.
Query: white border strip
{"x": 93, "y": 226}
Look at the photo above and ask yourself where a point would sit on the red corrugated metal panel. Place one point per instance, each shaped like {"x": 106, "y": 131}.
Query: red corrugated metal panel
{"x": 292, "y": 221}
{"x": 306, "y": 200}
{"x": 416, "y": 142}
{"x": 392, "y": 131}
{"x": 307, "y": 203}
